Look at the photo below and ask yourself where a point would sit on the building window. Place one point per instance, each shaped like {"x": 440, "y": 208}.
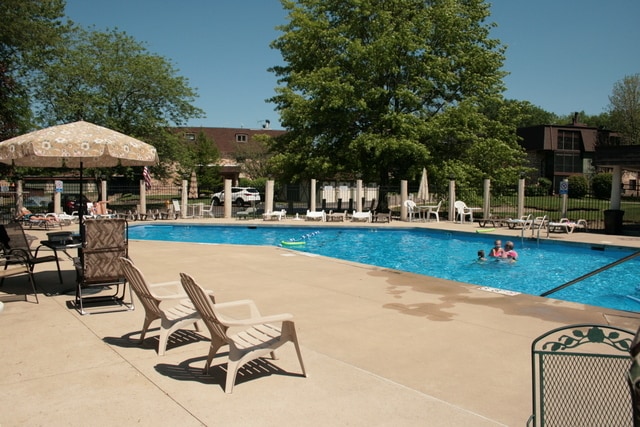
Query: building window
{"x": 242, "y": 137}
{"x": 189, "y": 136}
{"x": 569, "y": 140}
{"x": 568, "y": 157}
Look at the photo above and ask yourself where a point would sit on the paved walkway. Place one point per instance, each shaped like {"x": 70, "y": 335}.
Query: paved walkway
{"x": 381, "y": 347}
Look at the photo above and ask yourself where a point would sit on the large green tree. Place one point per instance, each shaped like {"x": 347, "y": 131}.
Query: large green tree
{"x": 381, "y": 88}
{"x": 110, "y": 79}
{"x": 29, "y": 30}
{"x": 624, "y": 108}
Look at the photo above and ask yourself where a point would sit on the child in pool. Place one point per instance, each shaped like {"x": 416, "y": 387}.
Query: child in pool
{"x": 497, "y": 251}
{"x": 481, "y": 256}
{"x": 509, "y": 253}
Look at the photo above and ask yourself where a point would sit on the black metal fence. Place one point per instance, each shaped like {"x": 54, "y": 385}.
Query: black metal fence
{"x": 296, "y": 199}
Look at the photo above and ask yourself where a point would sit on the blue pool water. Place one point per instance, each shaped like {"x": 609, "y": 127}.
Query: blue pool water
{"x": 541, "y": 266}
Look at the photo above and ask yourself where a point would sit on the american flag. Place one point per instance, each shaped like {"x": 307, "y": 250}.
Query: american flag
{"x": 147, "y": 178}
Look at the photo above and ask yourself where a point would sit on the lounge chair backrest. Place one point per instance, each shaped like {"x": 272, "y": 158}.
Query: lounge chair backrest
{"x": 105, "y": 242}
{"x": 204, "y": 305}
{"x": 139, "y": 284}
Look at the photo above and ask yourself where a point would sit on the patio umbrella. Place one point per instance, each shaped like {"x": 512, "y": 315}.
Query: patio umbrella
{"x": 423, "y": 190}
{"x": 193, "y": 186}
{"x": 76, "y": 145}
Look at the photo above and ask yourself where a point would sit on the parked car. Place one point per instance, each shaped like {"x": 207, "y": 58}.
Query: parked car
{"x": 239, "y": 196}
{"x": 36, "y": 203}
{"x": 70, "y": 203}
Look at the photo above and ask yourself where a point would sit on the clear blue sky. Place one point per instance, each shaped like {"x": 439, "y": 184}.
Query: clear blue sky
{"x": 562, "y": 55}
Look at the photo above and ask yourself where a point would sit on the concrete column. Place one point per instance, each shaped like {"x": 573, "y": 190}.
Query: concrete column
{"x": 57, "y": 201}
{"x": 184, "y": 194}
{"x": 227, "y": 198}
{"x": 486, "y": 200}
{"x": 143, "y": 198}
{"x": 19, "y": 197}
{"x": 359, "y": 195}
{"x": 404, "y": 196}
{"x": 616, "y": 184}
{"x": 565, "y": 200}
{"x": 452, "y": 200}
{"x": 103, "y": 190}
{"x": 268, "y": 196}
{"x": 520, "y": 197}
{"x": 312, "y": 196}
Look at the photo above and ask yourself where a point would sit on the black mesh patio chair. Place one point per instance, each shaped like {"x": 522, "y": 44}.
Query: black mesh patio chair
{"x": 580, "y": 377}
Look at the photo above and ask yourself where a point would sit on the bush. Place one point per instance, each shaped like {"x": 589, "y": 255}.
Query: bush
{"x": 601, "y": 185}
{"x": 578, "y": 186}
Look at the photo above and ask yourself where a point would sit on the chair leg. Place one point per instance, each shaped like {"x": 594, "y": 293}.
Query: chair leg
{"x": 216, "y": 343}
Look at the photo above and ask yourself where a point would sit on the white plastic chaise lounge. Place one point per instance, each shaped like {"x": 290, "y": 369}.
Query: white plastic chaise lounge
{"x": 278, "y": 215}
{"x": 524, "y": 222}
{"x": 249, "y": 338}
{"x": 361, "y": 216}
{"x": 316, "y": 216}
{"x": 566, "y": 226}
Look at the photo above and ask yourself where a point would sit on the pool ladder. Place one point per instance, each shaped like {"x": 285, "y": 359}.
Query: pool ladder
{"x": 593, "y": 273}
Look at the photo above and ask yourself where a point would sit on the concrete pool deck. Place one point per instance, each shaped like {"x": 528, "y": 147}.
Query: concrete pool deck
{"x": 381, "y": 347}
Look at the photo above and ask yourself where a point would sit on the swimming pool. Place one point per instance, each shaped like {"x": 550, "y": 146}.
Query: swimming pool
{"x": 449, "y": 255}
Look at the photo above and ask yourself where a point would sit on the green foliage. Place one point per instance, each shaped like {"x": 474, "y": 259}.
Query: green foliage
{"x": 110, "y": 79}
{"x": 601, "y": 185}
{"x": 624, "y": 108}
{"x": 29, "y": 31}
{"x": 541, "y": 188}
{"x": 578, "y": 186}
{"x": 379, "y": 90}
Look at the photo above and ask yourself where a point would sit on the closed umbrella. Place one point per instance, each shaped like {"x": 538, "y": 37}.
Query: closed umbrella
{"x": 423, "y": 190}
{"x": 76, "y": 145}
{"x": 193, "y": 186}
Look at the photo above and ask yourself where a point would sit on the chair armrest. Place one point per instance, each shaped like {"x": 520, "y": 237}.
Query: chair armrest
{"x": 255, "y": 320}
{"x": 176, "y": 295}
{"x": 250, "y": 304}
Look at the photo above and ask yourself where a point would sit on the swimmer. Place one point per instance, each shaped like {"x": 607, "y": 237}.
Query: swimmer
{"x": 481, "y": 256}
{"x": 509, "y": 253}
{"x": 497, "y": 251}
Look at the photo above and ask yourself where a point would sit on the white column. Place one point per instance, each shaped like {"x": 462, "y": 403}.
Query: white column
{"x": 616, "y": 183}
{"x": 103, "y": 190}
{"x": 227, "y": 198}
{"x": 19, "y": 197}
{"x": 359, "y": 195}
{"x": 520, "y": 197}
{"x": 404, "y": 196}
{"x": 184, "y": 194}
{"x": 143, "y": 198}
{"x": 312, "y": 196}
{"x": 486, "y": 201}
{"x": 57, "y": 208}
{"x": 268, "y": 195}
{"x": 565, "y": 199}
{"x": 452, "y": 200}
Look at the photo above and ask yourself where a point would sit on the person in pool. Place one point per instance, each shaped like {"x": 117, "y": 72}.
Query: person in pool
{"x": 481, "y": 256}
{"x": 509, "y": 253}
{"x": 497, "y": 251}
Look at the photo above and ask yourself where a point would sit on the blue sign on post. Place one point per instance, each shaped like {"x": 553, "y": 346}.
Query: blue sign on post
{"x": 58, "y": 186}
{"x": 564, "y": 187}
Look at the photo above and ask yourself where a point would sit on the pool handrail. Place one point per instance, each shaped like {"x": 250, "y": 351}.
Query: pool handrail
{"x": 593, "y": 273}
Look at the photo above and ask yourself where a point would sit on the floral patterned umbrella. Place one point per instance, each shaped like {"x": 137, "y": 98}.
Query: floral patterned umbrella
{"x": 76, "y": 145}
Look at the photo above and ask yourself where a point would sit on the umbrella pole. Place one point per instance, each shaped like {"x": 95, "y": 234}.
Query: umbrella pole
{"x": 81, "y": 209}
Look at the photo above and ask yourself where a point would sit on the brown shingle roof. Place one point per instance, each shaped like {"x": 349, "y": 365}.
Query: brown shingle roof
{"x": 227, "y": 139}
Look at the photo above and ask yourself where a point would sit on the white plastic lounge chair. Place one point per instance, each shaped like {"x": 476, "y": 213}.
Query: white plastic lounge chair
{"x": 566, "y": 226}
{"x": 361, "y": 216}
{"x": 463, "y": 211}
{"x": 316, "y": 216}
{"x": 523, "y": 222}
{"x": 412, "y": 209}
{"x": 172, "y": 318}
{"x": 250, "y": 338}
{"x": 279, "y": 215}
{"x": 337, "y": 216}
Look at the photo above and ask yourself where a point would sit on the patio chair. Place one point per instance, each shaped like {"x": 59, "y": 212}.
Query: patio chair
{"x": 98, "y": 264}
{"x": 15, "y": 263}
{"x": 579, "y": 376}
{"x": 210, "y": 210}
{"x": 245, "y": 214}
{"x": 362, "y": 216}
{"x": 523, "y": 222}
{"x": 412, "y": 209}
{"x": 433, "y": 211}
{"x": 277, "y": 215}
{"x": 12, "y": 238}
{"x": 179, "y": 315}
{"x": 250, "y": 338}
{"x": 463, "y": 211}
